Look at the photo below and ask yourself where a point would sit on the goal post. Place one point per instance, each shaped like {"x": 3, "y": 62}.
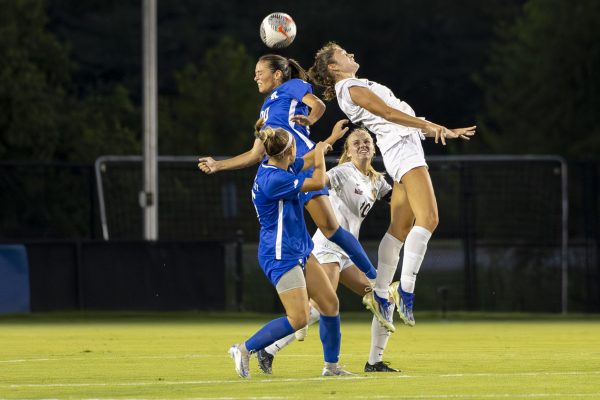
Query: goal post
{"x": 511, "y": 208}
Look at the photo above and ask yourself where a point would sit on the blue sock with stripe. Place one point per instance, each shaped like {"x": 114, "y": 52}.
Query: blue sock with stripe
{"x": 269, "y": 333}
{"x": 331, "y": 337}
{"x": 357, "y": 254}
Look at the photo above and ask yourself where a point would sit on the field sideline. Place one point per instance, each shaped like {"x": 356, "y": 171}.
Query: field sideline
{"x": 184, "y": 356}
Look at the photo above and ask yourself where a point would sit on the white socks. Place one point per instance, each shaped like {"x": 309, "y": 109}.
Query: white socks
{"x": 283, "y": 342}
{"x": 379, "y": 339}
{"x": 414, "y": 251}
{"x": 387, "y": 262}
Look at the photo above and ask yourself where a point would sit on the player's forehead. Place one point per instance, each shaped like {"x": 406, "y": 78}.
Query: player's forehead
{"x": 359, "y": 136}
{"x": 262, "y": 66}
{"x": 341, "y": 51}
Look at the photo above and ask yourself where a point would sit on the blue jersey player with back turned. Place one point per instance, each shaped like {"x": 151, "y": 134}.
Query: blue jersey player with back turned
{"x": 285, "y": 247}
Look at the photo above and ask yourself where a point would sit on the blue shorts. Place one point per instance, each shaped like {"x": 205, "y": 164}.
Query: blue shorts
{"x": 306, "y": 196}
{"x": 275, "y": 269}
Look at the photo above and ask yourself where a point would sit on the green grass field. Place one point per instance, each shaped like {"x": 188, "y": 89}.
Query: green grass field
{"x": 184, "y": 356}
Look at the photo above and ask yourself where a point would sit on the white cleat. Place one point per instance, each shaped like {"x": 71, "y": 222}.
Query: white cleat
{"x": 334, "y": 369}
{"x": 241, "y": 360}
{"x": 382, "y": 310}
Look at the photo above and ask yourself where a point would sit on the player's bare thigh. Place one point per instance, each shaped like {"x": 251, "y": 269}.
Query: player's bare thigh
{"x": 321, "y": 212}
{"x": 319, "y": 288}
{"x": 421, "y": 197}
{"x": 402, "y": 217}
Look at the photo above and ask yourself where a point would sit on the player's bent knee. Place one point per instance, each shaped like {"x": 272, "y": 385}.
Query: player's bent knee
{"x": 328, "y": 229}
{"x": 331, "y": 307}
{"x": 429, "y": 221}
{"x": 400, "y": 231}
{"x": 432, "y": 221}
{"x": 298, "y": 320}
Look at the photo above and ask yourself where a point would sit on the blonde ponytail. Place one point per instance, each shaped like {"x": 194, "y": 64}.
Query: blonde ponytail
{"x": 276, "y": 140}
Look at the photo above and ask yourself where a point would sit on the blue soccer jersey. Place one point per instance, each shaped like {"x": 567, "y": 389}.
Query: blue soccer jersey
{"x": 284, "y": 240}
{"x": 282, "y": 104}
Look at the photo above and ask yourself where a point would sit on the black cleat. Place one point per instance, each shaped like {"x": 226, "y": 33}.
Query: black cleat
{"x": 380, "y": 366}
{"x": 265, "y": 361}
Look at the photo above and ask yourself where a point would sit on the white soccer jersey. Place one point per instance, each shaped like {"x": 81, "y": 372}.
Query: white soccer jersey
{"x": 352, "y": 195}
{"x": 386, "y": 132}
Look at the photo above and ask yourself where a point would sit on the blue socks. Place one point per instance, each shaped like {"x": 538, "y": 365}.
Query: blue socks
{"x": 357, "y": 254}
{"x": 272, "y": 331}
{"x": 331, "y": 337}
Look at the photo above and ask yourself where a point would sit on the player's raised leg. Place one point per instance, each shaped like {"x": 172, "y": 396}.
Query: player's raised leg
{"x": 421, "y": 198}
{"x": 321, "y": 212}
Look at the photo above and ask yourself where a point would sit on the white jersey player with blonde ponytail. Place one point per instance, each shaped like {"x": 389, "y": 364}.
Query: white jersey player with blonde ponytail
{"x": 354, "y": 187}
{"x": 414, "y": 213}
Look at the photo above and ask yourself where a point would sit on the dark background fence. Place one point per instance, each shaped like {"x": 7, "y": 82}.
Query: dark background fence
{"x": 98, "y": 275}
{"x": 497, "y": 246}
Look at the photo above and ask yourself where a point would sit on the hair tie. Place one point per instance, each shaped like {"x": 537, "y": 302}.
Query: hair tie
{"x": 287, "y": 146}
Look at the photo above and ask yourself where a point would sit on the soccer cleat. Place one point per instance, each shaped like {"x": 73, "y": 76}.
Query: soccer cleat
{"x": 380, "y": 366}
{"x": 381, "y": 309}
{"x": 334, "y": 369}
{"x": 265, "y": 361}
{"x": 404, "y": 303}
{"x": 301, "y": 333}
{"x": 241, "y": 360}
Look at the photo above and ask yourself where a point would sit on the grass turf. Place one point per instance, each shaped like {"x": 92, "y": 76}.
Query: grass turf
{"x": 184, "y": 356}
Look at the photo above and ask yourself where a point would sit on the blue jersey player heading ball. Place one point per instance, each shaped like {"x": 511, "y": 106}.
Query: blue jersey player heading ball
{"x": 285, "y": 247}
{"x": 291, "y": 105}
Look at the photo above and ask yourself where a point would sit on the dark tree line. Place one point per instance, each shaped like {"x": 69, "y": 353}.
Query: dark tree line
{"x": 70, "y": 72}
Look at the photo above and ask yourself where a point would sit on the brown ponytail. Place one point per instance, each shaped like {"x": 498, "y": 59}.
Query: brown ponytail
{"x": 289, "y": 67}
{"x": 319, "y": 72}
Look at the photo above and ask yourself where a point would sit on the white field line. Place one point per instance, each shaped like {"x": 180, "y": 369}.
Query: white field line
{"x": 93, "y": 356}
{"x": 283, "y": 380}
{"x": 366, "y": 396}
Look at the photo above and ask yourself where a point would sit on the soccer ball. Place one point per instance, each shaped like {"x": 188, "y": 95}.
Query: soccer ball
{"x": 278, "y": 30}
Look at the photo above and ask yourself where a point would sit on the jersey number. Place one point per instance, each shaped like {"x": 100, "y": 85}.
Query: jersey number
{"x": 265, "y": 114}
{"x": 364, "y": 209}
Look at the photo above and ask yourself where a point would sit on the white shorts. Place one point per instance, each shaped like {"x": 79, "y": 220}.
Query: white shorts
{"x": 405, "y": 155}
{"x": 326, "y": 256}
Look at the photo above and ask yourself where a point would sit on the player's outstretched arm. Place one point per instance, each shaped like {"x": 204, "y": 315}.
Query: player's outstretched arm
{"x": 368, "y": 100}
{"x": 463, "y": 133}
{"x": 317, "y": 109}
{"x": 253, "y": 156}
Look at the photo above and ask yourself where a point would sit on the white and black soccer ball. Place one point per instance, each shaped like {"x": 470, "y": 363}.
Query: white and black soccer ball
{"x": 278, "y": 30}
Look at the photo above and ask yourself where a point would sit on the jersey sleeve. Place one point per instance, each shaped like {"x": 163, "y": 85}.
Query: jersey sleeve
{"x": 345, "y": 89}
{"x": 298, "y": 165}
{"x": 297, "y": 88}
{"x": 284, "y": 185}
{"x": 337, "y": 176}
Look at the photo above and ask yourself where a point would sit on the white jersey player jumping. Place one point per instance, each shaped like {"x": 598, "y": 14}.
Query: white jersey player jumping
{"x": 354, "y": 187}
{"x": 399, "y": 134}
